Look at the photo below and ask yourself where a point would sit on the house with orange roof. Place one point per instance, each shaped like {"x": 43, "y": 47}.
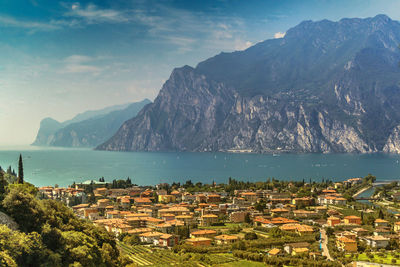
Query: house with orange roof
{"x": 249, "y": 196}
{"x": 199, "y": 241}
{"x": 359, "y": 231}
{"x": 238, "y": 216}
{"x": 260, "y": 221}
{"x": 213, "y": 198}
{"x": 166, "y": 198}
{"x": 168, "y": 240}
{"x": 300, "y": 251}
{"x": 332, "y": 221}
{"x": 282, "y": 220}
{"x": 201, "y": 198}
{"x": 168, "y": 216}
{"x": 381, "y": 223}
{"x": 275, "y": 252}
{"x": 346, "y": 244}
{"x": 208, "y": 219}
{"x": 164, "y": 227}
{"x": 152, "y": 222}
{"x": 203, "y": 233}
{"x": 142, "y": 201}
{"x": 279, "y": 212}
{"x": 352, "y": 220}
{"x": 113, "y": 214}
{"x": 186, "y": 219}
{"x": 150, "y": 237}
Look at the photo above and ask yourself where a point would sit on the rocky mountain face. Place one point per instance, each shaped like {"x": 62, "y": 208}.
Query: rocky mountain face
{"x": 88, "y": 129}
{"x": 325, "y": 87}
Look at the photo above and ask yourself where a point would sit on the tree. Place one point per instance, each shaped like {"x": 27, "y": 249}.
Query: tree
{"x": 381, "y": 216}
{"x": 20, "y": 170}
{"x": 250, "y": 236}
{"x": 247, "y": 218}
{"x": 23, "y": 207}
{"x": 3, "y": 185}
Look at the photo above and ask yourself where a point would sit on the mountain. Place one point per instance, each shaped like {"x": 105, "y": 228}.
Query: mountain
{"x": 87, "y": 129}
{"x": 325, "y": 87}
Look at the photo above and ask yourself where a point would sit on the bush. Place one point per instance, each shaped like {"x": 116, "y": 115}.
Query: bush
{"x": 250, "y": 236}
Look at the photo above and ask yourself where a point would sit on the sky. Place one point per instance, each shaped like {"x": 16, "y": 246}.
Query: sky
{"x": 61, "y": 58}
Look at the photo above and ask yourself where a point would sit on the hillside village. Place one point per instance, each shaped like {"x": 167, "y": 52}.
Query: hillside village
{"x": 274, "y": 222}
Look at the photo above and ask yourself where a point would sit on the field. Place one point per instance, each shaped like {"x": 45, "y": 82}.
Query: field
{"x": 145, "y": 256}
{"x": 386, "y": 258}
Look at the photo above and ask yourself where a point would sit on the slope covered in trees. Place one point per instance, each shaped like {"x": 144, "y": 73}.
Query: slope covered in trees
{"x": 49, "y": 233}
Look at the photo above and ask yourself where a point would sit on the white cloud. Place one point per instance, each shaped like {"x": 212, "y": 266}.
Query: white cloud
{"x": 242, "y": 45}
{"x": 79, "y": 64}
{"x": 279, "y": 35}
{"x": 93, "y": 14}
{"x": 80, "y": 68}
{"x": 32, "y": 25}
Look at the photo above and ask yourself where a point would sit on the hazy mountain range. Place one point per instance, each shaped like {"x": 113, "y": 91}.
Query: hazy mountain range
{"x": 324, "y": 87}
{"x": 87, "y": 129}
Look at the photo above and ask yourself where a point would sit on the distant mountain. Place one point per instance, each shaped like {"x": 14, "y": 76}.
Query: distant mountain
{"x": 325, "y": 87}
{"x": 87, "y": 129}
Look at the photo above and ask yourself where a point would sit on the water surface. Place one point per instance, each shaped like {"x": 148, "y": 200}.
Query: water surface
{"x": 49, "y": 166}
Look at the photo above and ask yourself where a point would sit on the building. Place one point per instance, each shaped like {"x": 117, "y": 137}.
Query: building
{"x": 213, "y": 198}
{"x": 150, "y": 237}
{"x": 226, "y": 239}
{"x": 332, "y": 221}
{"x": 238, "y": 216}
{"x": 275, "y": 252}
{"x": 396, "y": 227}
{"x": 300, "y": 251}
{"x": 360, "y": 231}
{"x": 167, "y": 240}
{"x": 198, "y": 241}
{"x": 376, "y": 241}
{"x": 381, "y": 223}
{"x": 203, "y": 233}
{"x": 166, "y": 198}
{"x": 346, "y": 244}
{"x": 290, "y": 246}
{"x": 249, "y": 196}
{"x": 139, "y": 201}
{"x": 208, "y": 219}
{"x": 352, "y": 220}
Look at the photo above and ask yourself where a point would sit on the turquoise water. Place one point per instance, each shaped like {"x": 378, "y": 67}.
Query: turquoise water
{"x": 46, "y": 166}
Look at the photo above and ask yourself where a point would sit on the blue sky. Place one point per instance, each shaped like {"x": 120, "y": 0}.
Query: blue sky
{"x": 59, "y": 58}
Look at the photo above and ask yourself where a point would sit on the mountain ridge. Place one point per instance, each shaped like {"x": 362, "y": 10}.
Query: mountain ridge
{"x": 324, "y": 87}
{"x": 86, "y": 129}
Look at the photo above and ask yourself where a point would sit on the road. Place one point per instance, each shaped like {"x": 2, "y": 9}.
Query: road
{"x": 325, "y": 251}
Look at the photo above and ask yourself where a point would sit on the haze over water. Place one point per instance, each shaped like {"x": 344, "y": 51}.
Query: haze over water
{"x": 49, "y": 166}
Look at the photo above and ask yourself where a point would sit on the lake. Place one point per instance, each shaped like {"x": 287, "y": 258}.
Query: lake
{"x": 49, "y": 166}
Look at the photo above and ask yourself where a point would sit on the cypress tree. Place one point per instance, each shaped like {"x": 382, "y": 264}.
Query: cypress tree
{"x": 20, "y": 170}
{"x": 3, "y": 184}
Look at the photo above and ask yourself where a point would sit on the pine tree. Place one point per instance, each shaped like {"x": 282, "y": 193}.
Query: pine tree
{"x": 20, "y": 170}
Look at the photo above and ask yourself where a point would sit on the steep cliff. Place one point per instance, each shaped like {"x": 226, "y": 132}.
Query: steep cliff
{"x": 325, "y": 87}
{"x": 88, "y": 129}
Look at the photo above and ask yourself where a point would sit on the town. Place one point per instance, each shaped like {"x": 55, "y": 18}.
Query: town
{"x": 273, "y": 222}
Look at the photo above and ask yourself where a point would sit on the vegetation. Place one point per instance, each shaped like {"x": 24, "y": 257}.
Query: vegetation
{"x": 49, "y": 233}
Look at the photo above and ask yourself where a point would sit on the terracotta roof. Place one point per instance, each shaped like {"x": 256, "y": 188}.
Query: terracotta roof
{"x": 203, "y": 232}
{"x": 346, "y": 240}
{"x": 210, "y": 216}
{"x": 274, "y": 251}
